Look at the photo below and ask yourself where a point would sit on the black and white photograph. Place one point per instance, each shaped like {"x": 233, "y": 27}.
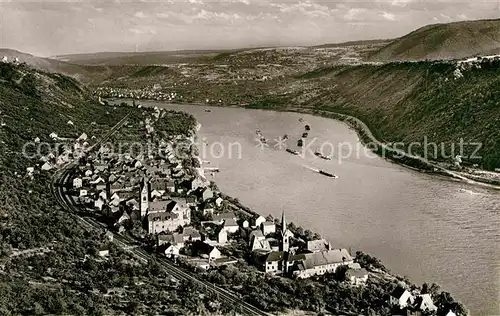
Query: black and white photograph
{"x": 250, "y": 157}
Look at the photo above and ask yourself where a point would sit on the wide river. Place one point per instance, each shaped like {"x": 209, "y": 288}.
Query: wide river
{"x": 427, "y": 228}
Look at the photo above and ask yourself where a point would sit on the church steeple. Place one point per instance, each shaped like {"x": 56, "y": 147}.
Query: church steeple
{"x": 283, "y": 223}
{"x": 285, "y": 234}
{"x": 144, "y": 198}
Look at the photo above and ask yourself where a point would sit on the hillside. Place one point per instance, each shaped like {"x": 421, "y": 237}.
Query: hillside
{"x": 49, "y": 264}
{"x": 444, "y": 41}
{"x": 412, "y": 102}
{"x": 41, "y": 63}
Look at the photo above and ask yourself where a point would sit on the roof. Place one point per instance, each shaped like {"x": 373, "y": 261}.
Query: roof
{"x": 223, "y": 216}
{"x": 268, "y": 224}
{"x": 161, "y": 216}
{"x": 230, "y": 222}
{"x": 361, "y": 273}
{"x": 191, "y": 231}
{"x": 256, "y": 233}
{"x": 398, "y": 292}
{"x": 158, "y": 206}
{"x": 171, "y": 205}
{"x": 275, "y": 256}
{"x": 326, "y": 257}
{"x": 159, "y": 184}
{"x": 355, "y": 266}
{"x": 425, "y": 299}
{"x": 203, "y": 247}
{"x": 318, "y": 245}
{"x": 190, "y": 199}
{"x": 175, "y": 238}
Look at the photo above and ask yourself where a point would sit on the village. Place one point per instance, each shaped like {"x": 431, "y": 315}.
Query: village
{"x": 163, "y": 196}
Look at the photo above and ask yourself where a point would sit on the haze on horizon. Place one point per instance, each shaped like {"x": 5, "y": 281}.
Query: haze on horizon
{"x": 67, "y": 27}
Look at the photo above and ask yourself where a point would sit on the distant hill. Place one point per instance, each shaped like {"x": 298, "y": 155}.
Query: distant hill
{"x": 444, "y": 41}
{"x": 140, "y": 58}
{"x": 41, "y": 63}
{"x": 377, "y": 42}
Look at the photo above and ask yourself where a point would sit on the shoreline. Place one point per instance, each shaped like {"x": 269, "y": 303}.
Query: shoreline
{"x": 365, "y": 136}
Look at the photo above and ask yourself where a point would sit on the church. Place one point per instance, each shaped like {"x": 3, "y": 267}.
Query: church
{"x": 276, "y": 262}
{"x": 285, "y": 260}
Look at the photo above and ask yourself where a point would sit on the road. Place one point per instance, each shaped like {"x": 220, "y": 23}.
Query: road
{"x": 62, "y": 180}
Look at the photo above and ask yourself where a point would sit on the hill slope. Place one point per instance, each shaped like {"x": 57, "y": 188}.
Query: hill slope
{"x": 42, "y": 63}
{"x": 49, "y": 264}
{"x": 444, "y": 41}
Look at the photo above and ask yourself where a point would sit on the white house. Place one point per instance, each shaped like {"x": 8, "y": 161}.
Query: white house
{"x": 451, "y": 313}
{"x": 230, "y": 225}
{"x": 46, "y": 166}
{"x": 104, "y": 251}
{"x": 82, "y": 137}
{"x": 77, "y": 183}
{"x": 357, "y": 277}
{"x": 259, "y": 220}
{"x": 123, "y": 218}
{"x": 273, "y": 262}
{"x": 318, "y": 245}
{"x": 425, "y": 303}
{"x": 400, "y": 297}
{"x": 172, "y": 251}
{"x": 222, "y": 237}
{"x": 268, "y": 228}
{"x": 70, "y": 122}
{"x": 98, "y": 204}
{"x": 83, "y": 193}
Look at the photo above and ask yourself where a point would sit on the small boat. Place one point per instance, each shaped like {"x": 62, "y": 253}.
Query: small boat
{"x": 320, "y": 155}
{"x": 327, "y": 174}
{"x": 300, "y": 143}
{"x": 293, "y": 152}
{"x": 308, "y": 128}
{"x": 304, "y": 135}
{"x": 208, "y": 110}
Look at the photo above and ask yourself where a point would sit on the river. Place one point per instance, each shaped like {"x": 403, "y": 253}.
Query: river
{"x": 421, "y": 226}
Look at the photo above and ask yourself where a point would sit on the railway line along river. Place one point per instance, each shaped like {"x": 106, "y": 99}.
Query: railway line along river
{"x": 425, "y": 227}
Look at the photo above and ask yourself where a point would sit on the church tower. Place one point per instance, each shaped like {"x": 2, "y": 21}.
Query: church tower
{"x": 285, "y": 234}
{"x": 144, "y": 198}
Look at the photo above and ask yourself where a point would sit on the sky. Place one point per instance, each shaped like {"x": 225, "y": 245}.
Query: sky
{"x": 49, "y": 28}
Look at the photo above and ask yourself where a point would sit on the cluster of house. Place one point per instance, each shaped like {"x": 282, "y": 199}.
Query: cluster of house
{"x": 273, "y": 253}
{"x": 151, "y": 93}
{"x": 413, "y": 302}
{"x": 73, "y": 148}
{"x": 159, "y": 193}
